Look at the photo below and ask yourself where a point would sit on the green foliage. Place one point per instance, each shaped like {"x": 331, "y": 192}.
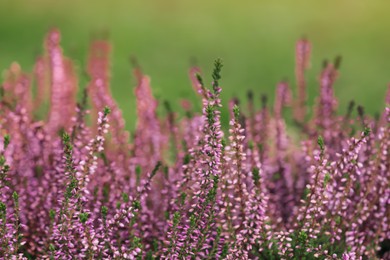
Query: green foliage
{"x": 52, "y": 214}
{"x": 106, "y": 111}
{"x": 3, "y": 210}
{"x": 2, "y": 160}
{"x": 125, "y": 197}
{"x": 7, "y": 140}
{"x": 320, "y": 142}
{"x": 326, "y": 179}
{"x": 256, "y": 175}
{"x": 138, "y": 171}
{"x": 52, "y": 247}
{"x": 15, "y": 197}
{"x": 183, "y": 197}
{"x": 84, "y": 217}
{"x": 225, "y": 251}
{"x": 186, "y": 159}
{"x": 137, "y": 204}
{"x": 200, "y": 80}
{"x": 176, "y": 218}
{"x": 70, "y": 188}
{"x": 210, "y": 114}
{"x": 367, "y": 131}
{"x": 236, "y": 112}
{"x": 217, "y": 73}
{"x": 306, "y": 192}
{"x": 104, "y": 211}
{"x": 155, "y": 169}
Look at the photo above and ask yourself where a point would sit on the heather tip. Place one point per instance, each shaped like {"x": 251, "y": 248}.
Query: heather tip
{"x": 65, "y": 138}
{"x": 176, "y": 218}
{"x": 217, "y": 72}
{"x": 256, "y": 175}
{"x": 223, "y": 142}
{"x": 320, "y": 142}
{"x": 167, "y": 106}
{"x": 351, "y": 106}
{"x": 360, "y": 110}
{"x": 125, "y": 197}
{"x": 2, "y": 160}
{"x": 136, "y": 204}
{"x": 52, "y": 214}
{"x": 3, "y": 208}
{"x": 236, "y": 112}
{"x": 199, "y": 78}
{"x": 186, "y": 159}
{"x": 158, "y": 165}
{"x": 106, "y": 110}
{"x": 104, "y": 211}
{"x": 138, "y": 170}
{"x": 367, "y": 131}
{"x": 326, "y": 179}
{"x": 7, "y": 140}
{"x": 52, "y": 247}
{"x": 15, "y": 196}
{"x": 264, "y": 100}
{"x": 183, "y": 197}
{"x": 337, "y": 61}
{"x": 249, "y": 94}
{"x": 302, "y": 236}
{"x": 83, "y": 217}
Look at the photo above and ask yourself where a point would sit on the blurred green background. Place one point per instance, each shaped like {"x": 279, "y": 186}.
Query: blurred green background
{"x": 256, "y": 40}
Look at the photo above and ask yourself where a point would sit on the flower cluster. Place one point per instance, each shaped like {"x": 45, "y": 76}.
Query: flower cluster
{"x": 75, "y": 185}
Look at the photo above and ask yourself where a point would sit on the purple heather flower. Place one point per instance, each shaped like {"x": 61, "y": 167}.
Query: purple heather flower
{"x": 180, "y": 189}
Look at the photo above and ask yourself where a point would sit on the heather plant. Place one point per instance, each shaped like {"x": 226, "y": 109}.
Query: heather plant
{"x": 75, "y": 185}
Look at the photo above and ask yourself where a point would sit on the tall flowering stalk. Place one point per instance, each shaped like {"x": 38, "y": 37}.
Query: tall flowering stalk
{"x": 302, "y": 62}
{"x": 99, "y": 90}
{"x": 327, "y": 102}
{"x": 237, "y": 177}
{"x": 148, "y": 139}
{"x": 202, "y": 210}
{"x": 249, "y": 202}
{"x": 282, "y": 175}
{"x": 63, "y": 83}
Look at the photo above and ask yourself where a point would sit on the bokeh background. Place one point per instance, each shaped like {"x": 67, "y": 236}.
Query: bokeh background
{"x": 256, "y": 40}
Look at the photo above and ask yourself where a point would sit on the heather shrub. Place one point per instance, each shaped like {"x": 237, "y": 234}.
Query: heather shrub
{"x": 76, "y": 185}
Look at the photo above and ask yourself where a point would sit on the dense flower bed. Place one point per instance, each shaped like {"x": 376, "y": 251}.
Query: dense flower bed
{"x": 185, "y": 189}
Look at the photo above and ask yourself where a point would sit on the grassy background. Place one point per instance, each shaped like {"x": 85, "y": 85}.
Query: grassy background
{"x": 255, "y": 39}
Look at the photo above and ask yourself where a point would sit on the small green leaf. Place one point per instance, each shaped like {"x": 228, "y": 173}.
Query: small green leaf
{"x": 52, "y": 247}
{"x": 83, "y": 217}
{"x": 186, "y": 159}
{"x": 326, "y": 179}
{"x": 367, "y": 131}
{"x": 136, "y": 204}
{"x": 104, "y": 211}
{"x": 52, "y": 214}
{"x": 7, "y": 140}
{"x": 15, "y": 196}
{"x": 320, "y": 142}
{"x": 106, "y": 111}
{"x": 256, "y": 175}
{"x": 236, "y": 112}
{"x": 125, "y": 197}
